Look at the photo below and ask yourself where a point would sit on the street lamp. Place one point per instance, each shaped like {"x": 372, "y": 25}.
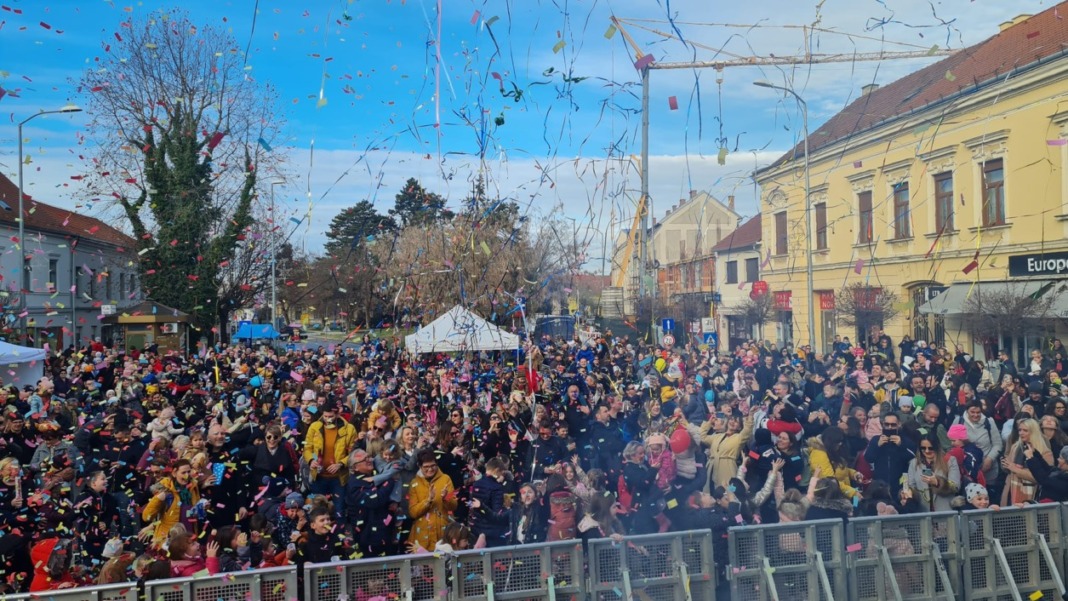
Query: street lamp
{"x": 23, "y": 284}
{"x": 808, "y": 209}
{"x": 274, "y": 262}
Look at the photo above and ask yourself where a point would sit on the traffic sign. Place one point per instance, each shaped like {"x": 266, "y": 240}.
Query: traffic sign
{"x": 667, "y": 341}
{"x": 708, "y": 324}
{"x": 717, "y": 298}
{"x": 711, "y": 340}
{"x": 668, "y": 324}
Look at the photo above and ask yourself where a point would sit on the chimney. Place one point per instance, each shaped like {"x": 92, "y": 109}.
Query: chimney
{"x": 1014, "y": 21}
{"x": 730, "y": 202}
{"x": 868, "y": 89}
{"x": 654, "y": 221}
{"x": 693, "y": 194}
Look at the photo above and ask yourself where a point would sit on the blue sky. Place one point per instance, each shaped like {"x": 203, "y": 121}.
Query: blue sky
{"x": 563, "y": 146}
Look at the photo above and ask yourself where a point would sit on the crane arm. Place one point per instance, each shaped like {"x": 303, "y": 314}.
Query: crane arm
{"x": 631, "y": 237}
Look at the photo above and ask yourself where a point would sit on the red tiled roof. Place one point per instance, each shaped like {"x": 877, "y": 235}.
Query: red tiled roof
{"x": 54, "y": 220}
{"x": 748, "y": 234}
{"x": 1027, "y": 44}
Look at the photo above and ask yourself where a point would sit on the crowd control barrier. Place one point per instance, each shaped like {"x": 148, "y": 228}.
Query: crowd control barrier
{"x": 1009, "y": 554}
{"x": 272, "y": 584}
{"x": 1013, "y": 553}
{"x": 406, "y": 577}
{"x": 904, "y": 557}
{"x": 553, "y": 571}
{"x": 792, "y": 561}
{"x": 653, "y": 567}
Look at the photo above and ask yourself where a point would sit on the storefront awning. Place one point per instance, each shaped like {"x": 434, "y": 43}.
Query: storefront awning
{"x": 954, "y": 300}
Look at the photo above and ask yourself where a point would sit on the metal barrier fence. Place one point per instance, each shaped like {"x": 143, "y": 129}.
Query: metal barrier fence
{"x": 407, "y": 577}
{"x": 550, "y": 571}
{"x": 653, "y": 567}
{"x": 794, "y": 561}
{"x": 1014, "y": 553}
{"x": 272, "y": 584}
{"x": 904, "y": 557}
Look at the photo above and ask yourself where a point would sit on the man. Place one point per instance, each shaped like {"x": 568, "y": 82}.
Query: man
{"x": 888, "y": 456}
{"x": 724, "y": 447}
{"x": 228, "y": 486}
{"x": 490, "y": 518}
{"x": 545, "y": 452}
{"x": 766, "y": 375}
{"x": 607, "y": 443}
{"x": 984, "y": 433}
{"x": 326, "y": 448}
{"x": 367, "y": 499}
{"x": 1007, "y": 366}
{"x": 930, "y": 420}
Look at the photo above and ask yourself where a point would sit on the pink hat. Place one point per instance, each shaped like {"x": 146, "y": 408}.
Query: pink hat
{"x": 957, "y": 432}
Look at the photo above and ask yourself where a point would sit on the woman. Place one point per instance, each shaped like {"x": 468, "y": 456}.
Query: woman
{"x": 528, "y": 522}
{"x": 172, "y": 500}
{"x": 933, "y": 478}
{"x": 828, "y": 455}
{"x": 854, "y": 436}
{"x": 563, "y": 509}
{"x": 652, "y": 421}
{"x": 1054, "y": 435}
{"x": 432, "y": 499}
{"x": 1020, "y": 484}
{"x": 98, "y": 516}
{"x": 639, "y": 483}
{"x": 600, "y": 520}
{"x": 826, "y": 499}
{"x": 1058, "y": 409}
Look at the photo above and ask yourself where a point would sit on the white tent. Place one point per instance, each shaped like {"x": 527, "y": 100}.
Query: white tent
{"x": 460, "y": 330}
{"x": 21, "y": 365}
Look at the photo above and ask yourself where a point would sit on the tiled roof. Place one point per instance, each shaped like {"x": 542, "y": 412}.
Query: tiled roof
{"x": 44, "y": 217}
{"x": 747, "y": 235}
{"x": 1027, "y": 44}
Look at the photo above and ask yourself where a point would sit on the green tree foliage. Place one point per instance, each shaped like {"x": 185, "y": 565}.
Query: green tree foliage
{"x": 181, "y": 133}
{"x": 415, "y": 206}
{"x": 354, "y": 227}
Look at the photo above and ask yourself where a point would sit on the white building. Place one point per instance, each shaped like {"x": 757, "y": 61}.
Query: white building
{"x": 737, "y": 268}
{"x": 78, "y": 267}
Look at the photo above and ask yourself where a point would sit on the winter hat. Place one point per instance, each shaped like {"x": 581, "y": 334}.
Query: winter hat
{"x": 241, "y": 403}
{"x": 113, "y": 548}
{"x": 1035, "y": 387}
{"x": 885, "y": 509}
{"x": 905, "y": 401}
{"x": 308, "y": 395}
{"x": 294, "y": 501}
{"x": 974, "y": 490}
{"x": 957, "y": 432}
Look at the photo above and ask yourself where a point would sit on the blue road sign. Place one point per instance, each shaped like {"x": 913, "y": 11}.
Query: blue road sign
{"x": 711, "y": 339}
{"x": 668, "y": 324}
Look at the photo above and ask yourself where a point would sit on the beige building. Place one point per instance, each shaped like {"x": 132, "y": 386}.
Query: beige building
{"x": 943, "y": 186}
{"x": 738, "y": 261}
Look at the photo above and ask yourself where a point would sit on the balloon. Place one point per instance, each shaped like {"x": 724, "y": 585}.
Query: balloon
{"x": 709, "y": 396}
{"x": 256, "y": 381}
{"x": 660, "y": 365}
{"x": 680, "y": 441}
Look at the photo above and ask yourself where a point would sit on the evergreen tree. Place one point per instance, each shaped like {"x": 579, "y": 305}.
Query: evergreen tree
{"x": 353, "y": 227}
{"x": 415, "y": 206}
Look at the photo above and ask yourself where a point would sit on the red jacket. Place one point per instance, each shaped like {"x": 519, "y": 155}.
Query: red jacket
{"x": 42, "y": 581}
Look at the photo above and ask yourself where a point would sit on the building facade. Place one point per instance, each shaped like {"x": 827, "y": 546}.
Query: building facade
{"x": 936, "y": 183}
{"x": 738, "y": 269}
{"x": 78, "y": 269}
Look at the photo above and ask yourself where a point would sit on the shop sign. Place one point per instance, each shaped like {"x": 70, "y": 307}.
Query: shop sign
{"x": 783, "y": 300}
{"x": 826, "y": 301}
{"x": 1033, "y": 264}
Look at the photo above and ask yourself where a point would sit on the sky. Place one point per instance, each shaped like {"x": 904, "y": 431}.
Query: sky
{"x": 540, "y": 97}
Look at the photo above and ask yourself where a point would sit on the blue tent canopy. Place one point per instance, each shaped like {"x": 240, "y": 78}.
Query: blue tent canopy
{"x": 253, "y": 331}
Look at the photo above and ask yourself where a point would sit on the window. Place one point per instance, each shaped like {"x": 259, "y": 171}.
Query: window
{"x": 122, "y": 285}
{"x": 92, "y": 282}
{"x": 901, "y": 211}
{"x": 53, "y": 274}
{"x": 943, "y": 184}
{"x": 107, "y": 285}
{"x": 682, "y": 249}
{"x": 752, "y": 270}
{"x": 821, "y": 226}
{"x": 864, "y": 202}
{"x": 993, "y": 193}
{"x": 732, "y": 272}
{"x": 780, "y": 233}
{"x": 27, "y": 273}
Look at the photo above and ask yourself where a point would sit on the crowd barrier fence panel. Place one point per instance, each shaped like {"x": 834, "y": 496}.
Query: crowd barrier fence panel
{"x": 905, "y": 557}
{"x": 548, "y": 572}
{"x": 675, "y": 566}
{"x": 271, "y": 584}
{"x": 126, "y": 591}
{"x": 794, "y": 561}
{"x": 404, "y": 577}
{"x": 1013, "y": 553}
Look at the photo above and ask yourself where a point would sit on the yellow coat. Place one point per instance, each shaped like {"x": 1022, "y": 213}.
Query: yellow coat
{"x": 314, "y": 443}
{"x": 724, "y": 450}
{"x": 818, "y": 460}
{"x": 429, "y": 511}
{"x": 170, "y": 515}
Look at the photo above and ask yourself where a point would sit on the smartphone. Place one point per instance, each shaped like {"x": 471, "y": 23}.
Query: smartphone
{"x": 927, "y": 472}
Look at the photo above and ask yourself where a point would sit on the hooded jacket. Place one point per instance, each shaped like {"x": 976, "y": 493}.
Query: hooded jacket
{"x": 168, "y": 512}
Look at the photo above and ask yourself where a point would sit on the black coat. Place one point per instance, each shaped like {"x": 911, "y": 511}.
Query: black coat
{"x": 367, "y": 513}
{"x": 491, "y": 517}
{"x": 888, "y": 462}
{"x": 320, "y": 548}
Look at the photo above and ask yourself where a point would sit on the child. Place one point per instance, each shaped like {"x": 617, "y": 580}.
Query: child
{"x": 969, "y": 456}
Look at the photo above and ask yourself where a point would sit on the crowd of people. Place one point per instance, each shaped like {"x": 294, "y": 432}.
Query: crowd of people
{"x": 139, "y": 465}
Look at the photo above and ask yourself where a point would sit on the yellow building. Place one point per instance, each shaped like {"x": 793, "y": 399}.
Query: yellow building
{"x": 912, "y": 180}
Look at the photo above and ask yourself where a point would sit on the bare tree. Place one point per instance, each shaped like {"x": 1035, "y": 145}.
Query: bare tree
{"x": 756, "y": 311}
{"x": 865, "y": 307}
{"x": 1011, "y": 309}
{"x": 182, "y": 132}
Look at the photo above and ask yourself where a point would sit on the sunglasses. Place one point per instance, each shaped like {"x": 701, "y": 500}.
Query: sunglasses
{"x": 925, "y": 449}
{"x": 270, "y": 437}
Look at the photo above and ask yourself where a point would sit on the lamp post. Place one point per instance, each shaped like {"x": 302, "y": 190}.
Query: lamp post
{"x": 808, "y": 209}
{"x": 274, "y": 261}
{"x": 23, "y": 284}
